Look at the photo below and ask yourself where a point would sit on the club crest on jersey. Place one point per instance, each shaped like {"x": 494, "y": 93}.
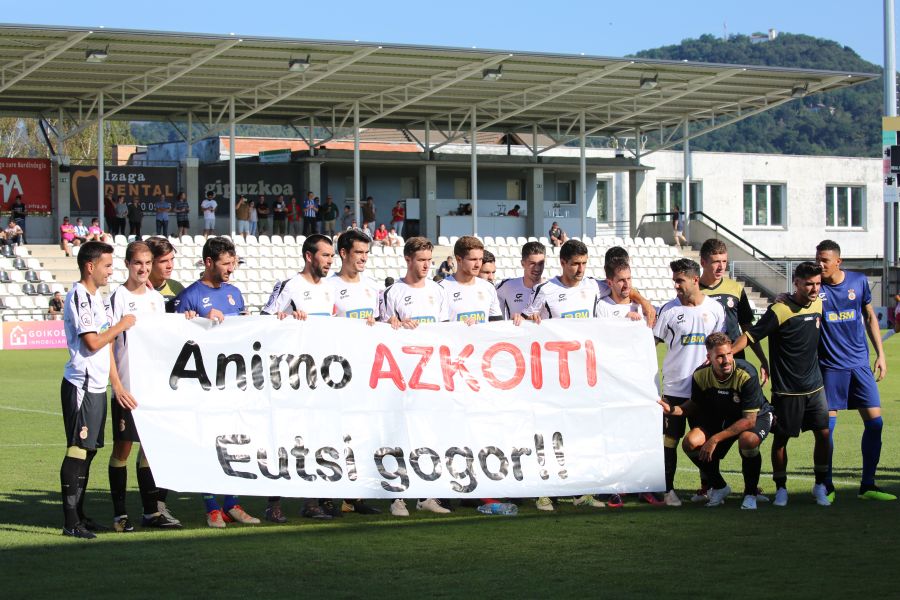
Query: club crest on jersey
{"x": 231, "y": 300}
{"x": 476, "y": 314}
{"x": 730, "y": 303}
{"x": 121, "y": 424}
{"x": 83, "y": 433}
{"x": 851, "y": 294}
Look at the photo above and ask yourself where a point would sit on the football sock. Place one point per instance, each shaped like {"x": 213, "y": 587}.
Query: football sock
{"x": 751, "y": 465}
{"x": 210, "y": 501}
{"x": 83, "y": 481}
{"x": 780, "y": 479}
{"x": 820, "y": 472}
{"x": 230, "y": 502}
{"x": 832, "y": 423}
{"x": 69, "y": 473}
{"x": 118, "y": 477}
{"x": 149, "y": 493}
{"x": 871, "y": 449}
{"x": 162, "y": 494}
{"x": 671, "y": 463}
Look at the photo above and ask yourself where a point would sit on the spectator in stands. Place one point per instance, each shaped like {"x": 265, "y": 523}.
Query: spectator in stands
{"x": 242, "y": 214}
{"x": 81, "y": 231}
{"x": 263, "y": 210}
{"x": 310, "y": 208}
{"x": 163, "y": 207}
{"x": 254, "y": 218}
{"x": 678, "y": 226}
{"x": 294, "y": 217}
{"x": 208, "y": 207}
{"x": 117, "y": 225}
{"x": 394, "y": 239}
{"x": 897, "y": 314}
{"x": 368, "y": 211}
{"x": 55, "y": 307}
{"x": 381, "y": 235}
{"x": 398, "y": 216}
{"x": 366, "y": 230}
{"x": 514, "y": 211}
{"x": 18, "y": 212}
{"x": 183, "y": 214}
{"x": 447, "y": 268}
{"x": 67, "y": 236}
{"x": 557, "y": 236}
{"x": 346, "y": 218}
{"x": 279, "y": 216}
{"x": 95, "y": 232}
{"x": 329, "y": 214}
{"x": 109, "y": 209}
{"x": 488, "y": 269}
{"x": 135, "y": 218}
{"x": 13, "y": 233}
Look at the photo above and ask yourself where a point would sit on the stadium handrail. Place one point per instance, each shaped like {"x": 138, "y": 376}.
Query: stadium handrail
{"x": 756, "y": 252}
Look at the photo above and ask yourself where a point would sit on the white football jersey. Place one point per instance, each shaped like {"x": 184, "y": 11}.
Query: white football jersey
{"x": 426, "y": 304}
{"x": 355, "y": 299}
{"x": 296, "y": 293}
{"x": 478, "y": 300}
{"x": 123, "y": 302}
{"x": 83, "y": 313}
{"x": 553, "y": 300}
{"x": 513, "y": 296}
{"x": 607, "y": 307}
{"x": 684, "y": 329}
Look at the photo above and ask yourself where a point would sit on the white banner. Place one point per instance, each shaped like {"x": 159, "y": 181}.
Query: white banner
{"x": 335, "y": 408}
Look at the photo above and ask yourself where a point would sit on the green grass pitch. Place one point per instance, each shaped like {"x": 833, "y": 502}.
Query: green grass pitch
{"x": 638, "y": 551}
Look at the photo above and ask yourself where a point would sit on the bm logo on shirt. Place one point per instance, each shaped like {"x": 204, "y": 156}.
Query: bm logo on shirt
{"x": 477, "y": 315}
{"x": 360, "y": 313}
{"x": 577, "y": 314}
{"x": 693, "y": 339}
{"x": 838, "y": 316}
{"x": 424, "y": 319}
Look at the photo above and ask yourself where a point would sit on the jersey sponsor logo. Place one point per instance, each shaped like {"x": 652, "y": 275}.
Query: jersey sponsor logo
{"x": 693, "y": 339}
{"x": 360, "y": 313}
{"x": 478, "y": 315}
{"x": 424, "y": 319}
{"x": 577, "y": 314}
{"x": 839, "y": 316}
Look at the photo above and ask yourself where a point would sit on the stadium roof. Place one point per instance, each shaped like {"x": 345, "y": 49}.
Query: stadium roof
{"x": 149, "y": 75}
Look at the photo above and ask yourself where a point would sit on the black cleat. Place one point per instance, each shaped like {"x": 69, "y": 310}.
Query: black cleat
{"x": 92, "y": 525}
{"x": 123, "y": 524}
{"x": 330, "y": 508}
{"x": 79, "y": 531}
{"x": 159, "y": 521}
{"x": 312, "y": 511}
{"x": 362, "y": 508}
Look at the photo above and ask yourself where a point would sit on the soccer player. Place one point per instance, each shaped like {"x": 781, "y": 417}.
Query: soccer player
{"x": 306, "y": 294}
{"x": 844, "y": 360}
{"x": 488, "y": 270}
{"x": 470, "y": 299}
{"x": 87, "y": 373}
{"x": 727, "y": 406}
{"x": 798, "y": 394}
{"x": 515, "y": 294}
{"x": 356, "y": 296}
{"x": 412, "y": 300}
{"x": 682, "y": 325}
{"x": 738, "y": 313}
{"x": 570, "y": 295}
{"x": 133, "y": 298}
{"x": 212, "y": 297}
{"x": 614, "y": 253}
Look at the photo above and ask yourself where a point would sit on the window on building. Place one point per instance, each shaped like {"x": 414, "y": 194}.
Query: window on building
{"x": 565, "y": 192}
{"x": 461, "y": 188}
{"x": 348, "y": 188}
{"x": 669, "y": 197}
{"x": 603, "y": 203}
{"x": 764, "y": 205}
{"x": 844, "y": 206}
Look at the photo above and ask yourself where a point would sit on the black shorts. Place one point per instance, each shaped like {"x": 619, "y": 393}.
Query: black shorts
{"x": 802, "y": 412}
{"x": 761, "y": 430}
{"x": 84, "y": 416}
{"x": 184, "y": 223}
{"x": 123, "y": 427}
{"x": 673, "y": 426}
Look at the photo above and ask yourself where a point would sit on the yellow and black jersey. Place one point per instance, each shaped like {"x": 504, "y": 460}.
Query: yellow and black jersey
{"x": 169, "y": 289}
{"x": 793, "y": 332}
{"x": 721, "y": 403}
{"x": 731, "y": 295}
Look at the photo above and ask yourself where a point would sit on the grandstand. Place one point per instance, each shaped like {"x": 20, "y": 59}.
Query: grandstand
{"x": 29, "y": 275}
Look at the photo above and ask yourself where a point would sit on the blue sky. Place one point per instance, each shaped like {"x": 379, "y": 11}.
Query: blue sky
{"x": 598, "y": 27}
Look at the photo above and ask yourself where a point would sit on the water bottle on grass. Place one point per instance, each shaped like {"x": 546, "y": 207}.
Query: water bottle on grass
{"x": 499, "y": 508}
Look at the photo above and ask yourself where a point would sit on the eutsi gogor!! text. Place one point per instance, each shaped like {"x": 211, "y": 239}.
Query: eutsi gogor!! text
{"x": 463, "y": 465}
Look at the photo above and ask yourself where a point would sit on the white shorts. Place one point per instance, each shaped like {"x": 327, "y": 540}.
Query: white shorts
{"x": 242, "y": 226}
{"x": 209, "y": 222}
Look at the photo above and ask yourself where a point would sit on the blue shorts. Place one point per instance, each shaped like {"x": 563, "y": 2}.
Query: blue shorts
{"x": 851, "y": 388}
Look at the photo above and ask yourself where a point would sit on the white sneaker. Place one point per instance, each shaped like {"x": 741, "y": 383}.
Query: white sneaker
{"x": 672, "y": 499}
{"x": 588, "y": 500}
{"x": 749, "y": 503}
{"x": 717, "y": 496}
{"x": 544, "y": 503}
{"x": 398, "y": 508}
{"x": 821, "y": 495}
{"x": 431, "y": 505}
{"x": 781, "y": 497}
{"x": 162, "y": 509}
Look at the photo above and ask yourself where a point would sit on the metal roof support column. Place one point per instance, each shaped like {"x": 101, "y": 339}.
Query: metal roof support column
{"x": 232, "y": 169}
{"x": 890, "y": 110}
{"x": 60, "y": 138}
{"x": 190, "y": 135}
{"x": 356, "y": 174}
{"x": 534, "y": 132}
{"x": 427, "y": 137}
{"x": 101, "y": 175}
{"x": 474, "y": 159}
{"x": 582, "y": 174}
{"x": 686, "y": 190}
{"x": 312, "y": 137}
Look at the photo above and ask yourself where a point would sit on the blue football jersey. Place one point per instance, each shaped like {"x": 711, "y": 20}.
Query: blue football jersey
{"x": 843, "y": 342}
{"x": 201, "y": 298}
